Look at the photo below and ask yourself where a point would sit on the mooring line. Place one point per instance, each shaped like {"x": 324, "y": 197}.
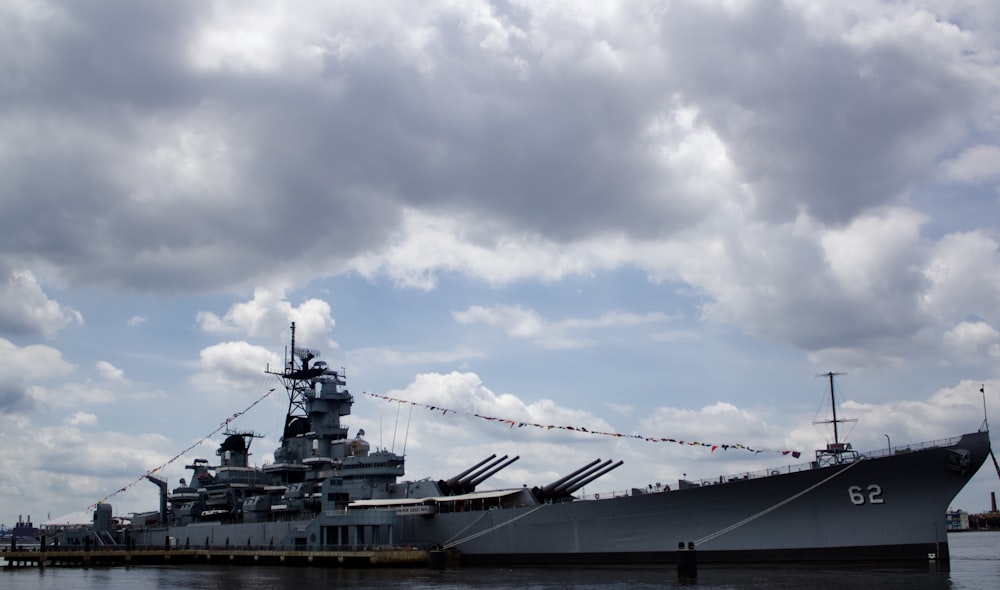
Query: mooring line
{"x": 491, "y": 529}
{"x": 467, "y": 527}
{"x": 750, "y": 519}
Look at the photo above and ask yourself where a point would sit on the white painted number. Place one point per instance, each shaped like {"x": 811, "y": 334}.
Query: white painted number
{"x": 874, "y": 495}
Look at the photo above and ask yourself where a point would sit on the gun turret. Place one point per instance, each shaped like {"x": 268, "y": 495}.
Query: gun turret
{"x": 592, "y": 476}
{"x": 481, "y": 478}
{"x": 464, "y": 481}
{"x": 546, "y": 492}
{"x": 468, "y": 483}
{"x": 561, "y": 488}
{"x": 447, "y": 486}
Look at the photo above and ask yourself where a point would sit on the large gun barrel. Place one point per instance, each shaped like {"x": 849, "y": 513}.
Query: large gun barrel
{"x": 592, "y": 476}
{"x": 561, "y": 488}
{"x": 464, "y": 485}
{"x": 476, "y": 473}
{"x": 448, "y": 485}
{"x": 546, "y": 490}
{"x": 483, "y": 476}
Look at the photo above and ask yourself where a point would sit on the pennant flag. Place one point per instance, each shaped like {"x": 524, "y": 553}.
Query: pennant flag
{"x": 512, "y": 423}
{"x": 154, "y": 470}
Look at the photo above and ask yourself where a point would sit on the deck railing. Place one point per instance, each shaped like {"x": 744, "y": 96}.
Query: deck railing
{"x": 723, "y": 479}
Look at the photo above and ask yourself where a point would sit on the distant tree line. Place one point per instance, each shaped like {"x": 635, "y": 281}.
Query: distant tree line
{"x": 986, "y": 520}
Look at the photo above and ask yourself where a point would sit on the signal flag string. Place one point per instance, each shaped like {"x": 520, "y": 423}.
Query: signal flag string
{"x": 221, "y": 425}
{"x": 581, "y": 429}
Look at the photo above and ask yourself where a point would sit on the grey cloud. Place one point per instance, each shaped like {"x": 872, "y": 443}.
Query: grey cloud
{"x": 308, "y": 168}
{"x": 101, "y": 59}
{"x": 15, "y": 399}
{"x": 816, "y": 123}
{"x": 555, "y": 154}
{"x": 26, "y": 310}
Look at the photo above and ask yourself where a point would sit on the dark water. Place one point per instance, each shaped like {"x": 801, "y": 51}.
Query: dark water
{"x": 975, "y": 565}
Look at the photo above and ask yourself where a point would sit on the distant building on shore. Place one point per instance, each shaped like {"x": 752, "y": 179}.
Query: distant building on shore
{"x": 957, "y": 520}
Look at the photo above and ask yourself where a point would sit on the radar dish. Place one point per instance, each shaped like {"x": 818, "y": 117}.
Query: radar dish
{"x": 306, "y": 354}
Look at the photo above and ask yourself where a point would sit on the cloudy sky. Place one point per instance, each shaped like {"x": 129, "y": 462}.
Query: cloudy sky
{"x": 656, "y": 218}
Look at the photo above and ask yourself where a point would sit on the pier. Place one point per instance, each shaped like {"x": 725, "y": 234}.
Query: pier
{"x": 378, "y": 557}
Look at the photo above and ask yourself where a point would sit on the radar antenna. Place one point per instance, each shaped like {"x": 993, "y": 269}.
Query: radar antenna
{"x": 297, "y": 377}
{"x": 306, "y": 354}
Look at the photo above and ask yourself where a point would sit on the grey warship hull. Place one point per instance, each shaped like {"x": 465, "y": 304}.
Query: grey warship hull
{"x": 888, "y": 508}
{"x": 883, "y": 508}
{"x": 326, "y": 492}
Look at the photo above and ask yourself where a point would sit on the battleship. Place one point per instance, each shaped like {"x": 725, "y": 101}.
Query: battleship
{"x": 327, "y": 490}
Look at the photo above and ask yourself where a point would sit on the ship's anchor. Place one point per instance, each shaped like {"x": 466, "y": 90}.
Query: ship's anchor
{"x": 959, "y": 460}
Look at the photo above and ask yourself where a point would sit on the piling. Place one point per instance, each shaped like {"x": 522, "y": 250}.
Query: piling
{"x": 437, "y": 559}
{"x": 687, "y": 561}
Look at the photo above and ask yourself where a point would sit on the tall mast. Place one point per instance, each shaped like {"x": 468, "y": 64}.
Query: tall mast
{"x": 833, "y": 404}
{"x": 297, "y": 378}
{"x": 986, "y": 417}
{"x": 835, "y": 452}
{"x": 293, "y": 348}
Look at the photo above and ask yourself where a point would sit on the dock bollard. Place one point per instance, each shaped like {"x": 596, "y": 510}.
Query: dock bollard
{"x": 687, "y": 561}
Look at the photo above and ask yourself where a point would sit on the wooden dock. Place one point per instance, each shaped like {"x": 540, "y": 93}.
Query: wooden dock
{"x": 391, "y": 557}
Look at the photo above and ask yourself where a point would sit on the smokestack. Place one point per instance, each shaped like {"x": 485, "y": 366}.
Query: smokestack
{"x": 993, "y": 501}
